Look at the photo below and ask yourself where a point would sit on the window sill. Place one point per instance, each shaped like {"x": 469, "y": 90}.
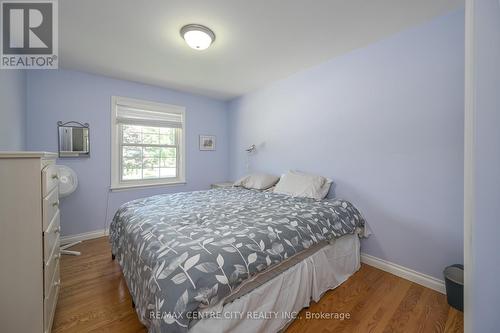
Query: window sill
{"x": 123, "y": 187}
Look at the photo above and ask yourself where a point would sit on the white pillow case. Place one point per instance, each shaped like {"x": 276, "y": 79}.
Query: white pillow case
{"x": 326, "y": 188}
{"x": 258, "y": 181}
{"x": 299, "y": 184}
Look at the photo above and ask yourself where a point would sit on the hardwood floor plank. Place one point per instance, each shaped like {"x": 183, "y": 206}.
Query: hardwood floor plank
{"x": 406, "y": 308}
{"x": 94, "y": 298}
{"x": 379, "y": 312}
{"x": 434, "y": 316}
{"x": 455, "y": 322}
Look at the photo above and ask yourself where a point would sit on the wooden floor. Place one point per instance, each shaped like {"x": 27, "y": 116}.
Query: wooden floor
{"x": 95, "y": 298}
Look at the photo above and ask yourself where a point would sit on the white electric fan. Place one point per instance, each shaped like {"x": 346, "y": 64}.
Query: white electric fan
{"x": 68, "y": 182}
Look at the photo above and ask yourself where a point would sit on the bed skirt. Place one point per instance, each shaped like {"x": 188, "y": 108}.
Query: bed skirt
{"x": 272, "y": 306}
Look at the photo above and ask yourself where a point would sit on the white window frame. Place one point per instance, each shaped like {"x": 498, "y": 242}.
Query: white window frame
{"x": 116, "y": 182}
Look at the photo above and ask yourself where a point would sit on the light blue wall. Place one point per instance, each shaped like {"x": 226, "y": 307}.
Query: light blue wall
{"x": 12, "y": 109}
{"x": 386, "y": 123}
{"x": 69, "y": 95}
{"x": 486, "y": 227}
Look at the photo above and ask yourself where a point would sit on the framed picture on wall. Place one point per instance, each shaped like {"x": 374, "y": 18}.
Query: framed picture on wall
{"x": 207, "y": 142}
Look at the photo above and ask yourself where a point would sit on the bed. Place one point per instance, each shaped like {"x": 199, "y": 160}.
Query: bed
{"x": 202, "y": 261}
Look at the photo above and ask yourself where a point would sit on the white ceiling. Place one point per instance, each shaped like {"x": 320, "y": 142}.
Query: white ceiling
{"x": 258, "y": 41}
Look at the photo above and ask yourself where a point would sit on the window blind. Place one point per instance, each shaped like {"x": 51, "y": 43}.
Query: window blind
{"x": 136, "y": 116}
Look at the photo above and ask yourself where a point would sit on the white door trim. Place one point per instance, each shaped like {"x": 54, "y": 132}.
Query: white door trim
{"x": 469, "y": 161}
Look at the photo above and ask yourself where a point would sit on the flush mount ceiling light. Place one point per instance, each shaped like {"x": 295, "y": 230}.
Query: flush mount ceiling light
{"x": 197, "y": 36}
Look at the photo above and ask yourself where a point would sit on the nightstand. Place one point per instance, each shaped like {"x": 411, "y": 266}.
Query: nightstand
{"x": 222, "y": 185}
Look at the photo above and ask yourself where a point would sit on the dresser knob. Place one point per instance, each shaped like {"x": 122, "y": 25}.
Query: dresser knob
{"x": 57, "y": 283}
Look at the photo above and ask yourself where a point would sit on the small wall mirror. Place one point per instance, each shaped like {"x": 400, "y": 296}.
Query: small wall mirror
{"x": 74, "y": 140}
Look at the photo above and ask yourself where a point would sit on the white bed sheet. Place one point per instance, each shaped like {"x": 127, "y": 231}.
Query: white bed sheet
{"x": 269, "y": 307}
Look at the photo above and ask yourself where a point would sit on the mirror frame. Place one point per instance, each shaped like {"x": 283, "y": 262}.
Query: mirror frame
{"x": 74, "y": 124}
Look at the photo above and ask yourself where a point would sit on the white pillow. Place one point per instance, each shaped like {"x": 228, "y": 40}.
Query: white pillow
{"x": 258, "y": 181}
{"x": 299, "y": 184}
{"x": 326, "y": 188}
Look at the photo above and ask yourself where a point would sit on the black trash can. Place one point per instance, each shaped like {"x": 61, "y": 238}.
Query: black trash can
{"x": 454, "y": 280}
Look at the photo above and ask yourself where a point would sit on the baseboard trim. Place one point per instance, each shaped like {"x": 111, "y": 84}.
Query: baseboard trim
{"x": 84, "y": 236}
{"x": 405, "y": 273}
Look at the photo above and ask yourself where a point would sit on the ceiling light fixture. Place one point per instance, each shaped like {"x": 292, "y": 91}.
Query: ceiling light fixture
{"x": 197, "y": 36}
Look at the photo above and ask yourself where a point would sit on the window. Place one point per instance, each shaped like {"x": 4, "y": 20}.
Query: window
{"x": 148, "y": 143}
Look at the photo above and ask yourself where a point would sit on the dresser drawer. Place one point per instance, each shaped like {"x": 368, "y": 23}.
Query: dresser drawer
{"x": 50, "y": 178}
{"x": 51, "y": 237}
{"x": 49, "y": 304}
{"x": 50, "y": 207}
{"x": 51, "y": 270}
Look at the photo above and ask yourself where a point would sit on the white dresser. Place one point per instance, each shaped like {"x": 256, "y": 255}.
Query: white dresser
{"x": 29, "y": 241}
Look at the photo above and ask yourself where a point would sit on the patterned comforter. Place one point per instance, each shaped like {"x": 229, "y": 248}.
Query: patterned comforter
{"x": 184, "y": 252}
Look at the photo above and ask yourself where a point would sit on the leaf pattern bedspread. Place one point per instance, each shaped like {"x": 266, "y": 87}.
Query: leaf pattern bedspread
{"x": 183, "y": 252}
